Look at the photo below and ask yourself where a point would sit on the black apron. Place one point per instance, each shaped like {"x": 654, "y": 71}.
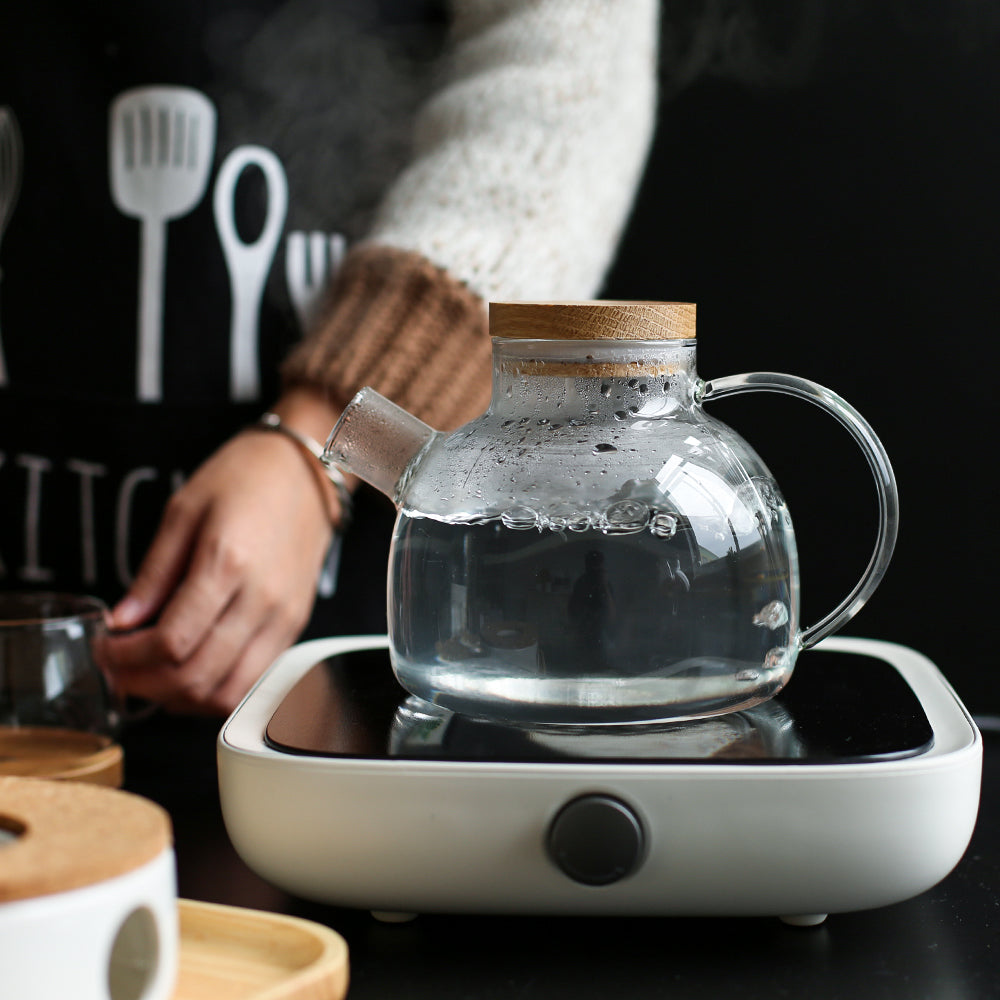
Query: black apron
{"x": 178, "y": 181}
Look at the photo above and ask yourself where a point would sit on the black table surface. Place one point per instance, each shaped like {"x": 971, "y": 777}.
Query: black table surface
{"x": 942, "y": 944}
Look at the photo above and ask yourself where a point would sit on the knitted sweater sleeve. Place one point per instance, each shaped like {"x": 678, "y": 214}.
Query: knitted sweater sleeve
{"x": 526, "y": 161}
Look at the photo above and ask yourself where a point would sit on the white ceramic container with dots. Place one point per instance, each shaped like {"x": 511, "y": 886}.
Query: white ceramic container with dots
{"x": 88, "y": 898}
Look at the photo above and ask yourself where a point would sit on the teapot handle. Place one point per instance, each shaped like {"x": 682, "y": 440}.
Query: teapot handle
{"x": 878, "y": 460}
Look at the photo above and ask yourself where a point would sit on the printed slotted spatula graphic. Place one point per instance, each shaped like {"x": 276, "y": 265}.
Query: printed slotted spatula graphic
{"x": 11, "y": 158}
{"x": 161, "y": 144}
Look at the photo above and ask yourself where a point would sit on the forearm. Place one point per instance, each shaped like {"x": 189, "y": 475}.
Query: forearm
{"x": 527, "y": 160}
{"x": 400, "y": 324}
{"x": 525, "y": 166}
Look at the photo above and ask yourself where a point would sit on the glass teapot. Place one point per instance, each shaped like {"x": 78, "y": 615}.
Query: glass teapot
{"x": 595, "y": 548}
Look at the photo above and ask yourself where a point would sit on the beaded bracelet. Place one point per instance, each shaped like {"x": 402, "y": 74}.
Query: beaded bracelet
{"x": 272, "y": 422}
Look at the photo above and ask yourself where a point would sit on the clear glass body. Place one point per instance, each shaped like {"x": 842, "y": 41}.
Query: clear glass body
{"x": 48, "y": 667}
{"x": 595, "y": 548}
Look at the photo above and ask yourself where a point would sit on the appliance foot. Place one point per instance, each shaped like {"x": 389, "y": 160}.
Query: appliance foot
{"x": 804, "y": 919}
{"x": 393, "y": 916}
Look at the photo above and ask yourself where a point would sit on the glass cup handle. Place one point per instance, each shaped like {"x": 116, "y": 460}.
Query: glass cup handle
{"x": 878, "y": 461}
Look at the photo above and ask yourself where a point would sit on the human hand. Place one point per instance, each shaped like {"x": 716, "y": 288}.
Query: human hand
{"x": 228, "y": 582}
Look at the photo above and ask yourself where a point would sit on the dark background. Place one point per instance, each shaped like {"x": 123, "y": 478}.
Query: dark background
{"x": 825, "y": 185}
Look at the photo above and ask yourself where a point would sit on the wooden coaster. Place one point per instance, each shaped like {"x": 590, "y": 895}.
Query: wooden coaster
{"x": 232, "y": 953}
{"x": 70, "y": 834}
{"x": 43, "y": 752}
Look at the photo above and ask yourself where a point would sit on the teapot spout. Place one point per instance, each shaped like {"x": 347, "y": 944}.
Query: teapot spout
{"x": 377, "y": 441}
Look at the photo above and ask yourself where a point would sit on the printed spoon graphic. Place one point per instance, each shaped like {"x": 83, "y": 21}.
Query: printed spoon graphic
{"x": 248, "y": 263}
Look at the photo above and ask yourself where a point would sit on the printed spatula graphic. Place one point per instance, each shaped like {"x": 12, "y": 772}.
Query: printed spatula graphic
{"x": 11, "y": 159}
{"x": 161, "y": 145}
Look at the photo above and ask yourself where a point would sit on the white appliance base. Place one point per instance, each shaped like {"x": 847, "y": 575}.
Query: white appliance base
{"x": 797, "y": 840}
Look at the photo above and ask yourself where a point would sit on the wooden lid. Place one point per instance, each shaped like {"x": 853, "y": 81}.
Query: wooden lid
{"x": 603, "y": 320}
{"x": 70, "y": 834}
{"x": 44, "y": 752}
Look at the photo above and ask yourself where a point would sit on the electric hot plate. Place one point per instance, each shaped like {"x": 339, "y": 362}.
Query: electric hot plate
{"x": 856, "y": 787}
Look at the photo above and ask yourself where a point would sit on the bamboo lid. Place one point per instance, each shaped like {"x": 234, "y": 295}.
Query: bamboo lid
{"x": 68, "y": 834}
{"x": 44, "y": 752}
{"x": 599, "y": 320}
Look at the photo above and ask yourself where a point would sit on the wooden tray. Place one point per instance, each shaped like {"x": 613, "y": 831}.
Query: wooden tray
{"x": 232, "y": 953}
{"x": 43, "y": 752}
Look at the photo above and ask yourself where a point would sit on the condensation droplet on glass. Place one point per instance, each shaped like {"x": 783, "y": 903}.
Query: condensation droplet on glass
{"x": 603, "y": 447}
{"x": 605, "y": 389}
{"x": 560, "y": 514}
{"x": 620, "y": 414}
{"x": 776, "y": 658}
{"x": 663, "y": 525}
{"x": 769, "y": 493}
{"x": 626, "y": 516}
{"x": 773, "y": 615}
{"x": 520, "y": 518}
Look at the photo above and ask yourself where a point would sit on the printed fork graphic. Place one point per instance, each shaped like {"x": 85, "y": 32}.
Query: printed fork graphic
{"x": 311, "y": 260}
{"x": 161, "y": 144}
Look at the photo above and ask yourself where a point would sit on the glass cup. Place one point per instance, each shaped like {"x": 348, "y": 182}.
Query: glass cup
{"x": 48, "y": 668}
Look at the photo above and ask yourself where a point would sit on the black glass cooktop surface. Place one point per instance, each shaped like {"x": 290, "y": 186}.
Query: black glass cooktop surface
{"x": 838, "y": 707}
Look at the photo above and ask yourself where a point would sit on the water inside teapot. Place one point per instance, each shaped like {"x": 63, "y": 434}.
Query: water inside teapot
{"x": 516, "y": 616}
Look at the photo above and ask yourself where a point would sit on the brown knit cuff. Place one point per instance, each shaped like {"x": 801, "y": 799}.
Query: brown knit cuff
{"x": 403, "y": 326}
